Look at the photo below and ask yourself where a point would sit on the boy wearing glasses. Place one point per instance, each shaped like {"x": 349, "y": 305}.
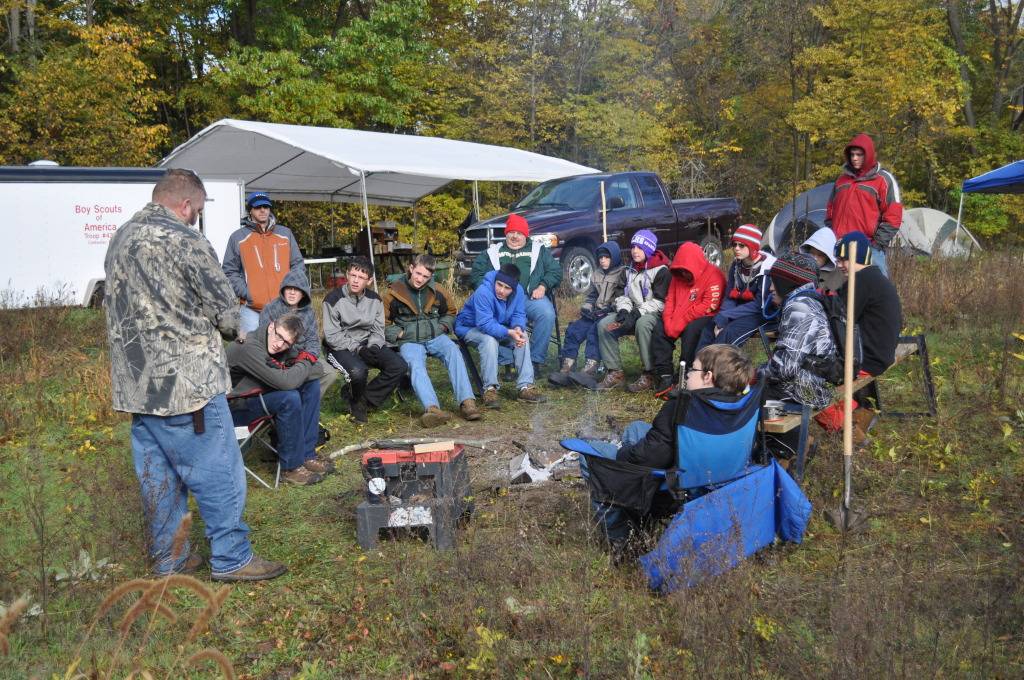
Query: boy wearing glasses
{"x": 719, "y": 372}
{"x": 270, "y": 376}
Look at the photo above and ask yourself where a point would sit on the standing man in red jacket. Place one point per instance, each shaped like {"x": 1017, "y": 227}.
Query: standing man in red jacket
{"x": 694, "y": 296}
{"x": 865, "y": 198}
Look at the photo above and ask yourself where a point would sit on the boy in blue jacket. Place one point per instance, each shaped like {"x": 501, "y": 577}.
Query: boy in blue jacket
{"x": 493, "y": 316}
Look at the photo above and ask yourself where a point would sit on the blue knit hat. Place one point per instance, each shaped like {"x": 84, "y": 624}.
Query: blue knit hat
{"x": 646, "y": 241}
{"x": 842, "y": 251}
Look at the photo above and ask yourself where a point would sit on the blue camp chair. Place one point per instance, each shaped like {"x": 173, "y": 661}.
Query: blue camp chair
{"x": 714, "y": 445}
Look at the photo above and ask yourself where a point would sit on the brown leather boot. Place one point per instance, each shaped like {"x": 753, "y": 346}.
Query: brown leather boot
{"x": 258, "y": 569}
{"x": 469, "y": 411}
{"x": 590, "y": 368}
{"x": 567, "y": 365}
{"x": 434, "y": 416}
{"x": 644, "y": 382}
{"x": 612, "y": 380}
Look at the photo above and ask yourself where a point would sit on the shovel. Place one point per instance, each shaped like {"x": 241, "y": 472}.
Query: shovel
{"x": 845, "y": 517}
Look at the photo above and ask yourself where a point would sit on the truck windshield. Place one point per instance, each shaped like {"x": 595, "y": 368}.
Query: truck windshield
{"x": 577, "y": 193}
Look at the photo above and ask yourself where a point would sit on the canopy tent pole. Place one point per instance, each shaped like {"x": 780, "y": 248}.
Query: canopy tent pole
{"x": 415, "y": 224}
{"x": 476, "y": 199}
{"x": 604, "y": 215}
{"x": 959, "y": 216}
{"x": 369, "y": 230}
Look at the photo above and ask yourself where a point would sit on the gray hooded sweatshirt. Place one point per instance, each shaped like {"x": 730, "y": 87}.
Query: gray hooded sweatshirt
{"x": 276, "y": 308}
{"x": 352, "y": 322}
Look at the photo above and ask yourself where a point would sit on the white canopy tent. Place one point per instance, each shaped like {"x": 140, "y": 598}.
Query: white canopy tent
{"x": 303, "y": 163}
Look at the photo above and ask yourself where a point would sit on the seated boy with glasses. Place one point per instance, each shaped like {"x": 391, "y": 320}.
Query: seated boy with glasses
{"x": 269, "y": 376}
{"x": 721, "y": 373}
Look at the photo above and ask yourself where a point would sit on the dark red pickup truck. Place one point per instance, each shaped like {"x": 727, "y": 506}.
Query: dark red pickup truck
{"x": 566, "y": 214}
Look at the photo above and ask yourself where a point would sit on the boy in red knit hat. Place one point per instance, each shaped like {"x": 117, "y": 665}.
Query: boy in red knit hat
{"x": 746, "y": 291}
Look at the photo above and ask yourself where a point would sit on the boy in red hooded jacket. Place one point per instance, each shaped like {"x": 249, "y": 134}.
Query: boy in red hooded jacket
{"x": 694, "y": 296}
{"x": 865, "y": 198}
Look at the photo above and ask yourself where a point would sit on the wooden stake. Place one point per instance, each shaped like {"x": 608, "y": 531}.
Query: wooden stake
{"x": 848, "y": 381}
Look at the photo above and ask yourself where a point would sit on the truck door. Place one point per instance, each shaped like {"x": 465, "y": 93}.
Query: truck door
{"x": 658, "y": 214}
{"x": 623, "y": 221}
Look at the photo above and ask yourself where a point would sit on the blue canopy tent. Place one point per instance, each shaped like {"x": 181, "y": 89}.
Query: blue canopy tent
{"x": 1008, "y": 179}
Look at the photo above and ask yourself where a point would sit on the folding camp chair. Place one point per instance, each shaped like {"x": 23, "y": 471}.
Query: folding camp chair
{"x": 715, "y": 444}
{"x": 258, "y": 431}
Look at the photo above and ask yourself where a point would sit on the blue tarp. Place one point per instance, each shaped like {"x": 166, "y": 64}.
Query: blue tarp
{"x": 711, "y": 534}
{"x": 1008, "y": 179}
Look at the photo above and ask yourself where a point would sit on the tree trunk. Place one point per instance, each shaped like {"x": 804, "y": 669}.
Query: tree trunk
{"x": 15, "y": 20}
{"x": 955, "y": 29}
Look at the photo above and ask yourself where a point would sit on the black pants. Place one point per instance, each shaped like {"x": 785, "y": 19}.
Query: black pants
{"x": 662, "y": 346}
{"x": 357, "y": 365}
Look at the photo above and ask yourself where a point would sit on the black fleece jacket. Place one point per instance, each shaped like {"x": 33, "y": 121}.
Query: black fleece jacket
{"x": 878, "y": 313}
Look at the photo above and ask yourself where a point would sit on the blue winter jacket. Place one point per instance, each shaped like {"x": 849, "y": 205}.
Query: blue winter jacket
{"x": 492, "y": 316}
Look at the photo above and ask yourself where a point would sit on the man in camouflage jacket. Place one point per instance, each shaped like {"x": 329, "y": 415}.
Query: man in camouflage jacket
{"x": 168, "y": 304}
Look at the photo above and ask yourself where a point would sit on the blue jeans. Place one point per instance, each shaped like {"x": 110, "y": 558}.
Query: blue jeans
{"x": 541, "y": 316}
{"x": 487, "y": 346}
{"x": 296, "y": 419}
{"x": 442, "y": 347}
{"x": 579, "y": 331}
{"x": 878, "y": 259}
{"x": 736, "y": 332}
{"x": 171, "y": 460}
{"x": 250, "y": 319}
{"x": 614, "y": 521}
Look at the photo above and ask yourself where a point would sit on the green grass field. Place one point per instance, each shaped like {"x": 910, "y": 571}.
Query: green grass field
{"x": 932, "y": 588}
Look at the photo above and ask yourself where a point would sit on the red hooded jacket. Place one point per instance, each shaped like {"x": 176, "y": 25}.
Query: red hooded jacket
{"x": 688, "y": 301}
{"x": 867, "y": 201}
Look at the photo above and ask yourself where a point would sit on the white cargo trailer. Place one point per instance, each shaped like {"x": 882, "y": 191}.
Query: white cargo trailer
{"x": 59, "y": 221}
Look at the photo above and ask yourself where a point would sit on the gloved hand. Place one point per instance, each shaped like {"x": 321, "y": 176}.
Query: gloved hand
{"x": 306, "y": 356}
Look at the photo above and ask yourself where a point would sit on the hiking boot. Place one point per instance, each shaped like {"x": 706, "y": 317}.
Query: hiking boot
{"x": 644, "y": 382}
{"x": 258, "y": 569}
{"x": 863, "y": 420}
{"x": 663, "y": 386}
{"x": 320, "y": 466}
{"x": 358, "y": 409}
{"x": 468, "y": 410}
{"x": 532, "y": 395}
{"x": 567, "y": 365}
{"x": 189, "y": 566}
{"x": 434, "y": 416}
{"x": 590, "y": 368}
{"x": 301, "y": 476}
{"x": 612, "y": 380}
{"x": 491, "y": 398}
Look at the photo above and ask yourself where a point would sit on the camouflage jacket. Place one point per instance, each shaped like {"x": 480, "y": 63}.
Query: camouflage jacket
{"x": 168, "y": 303}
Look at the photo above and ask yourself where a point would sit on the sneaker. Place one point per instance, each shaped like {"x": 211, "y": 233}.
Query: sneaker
{"x": 301, "y": 476}
{"x": 532, "y": 395}
{"x": 567, "y": 365}
{"x": 612, "y": 380}
{"x": 434, "y": 416}
{"x": 491, "y": 398}
{"x": 258, "y": 569}
{"x": 590, "y": 368}
{"x": 320, "y": 466}
{"x": 468, "y": 410}
{"x": 359, "y": 411}
{"x": 644, "y": 382}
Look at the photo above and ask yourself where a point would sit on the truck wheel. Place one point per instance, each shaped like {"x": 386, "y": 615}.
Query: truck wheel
{"x": 712, "y": 248}
{"x": 577, "y": 268}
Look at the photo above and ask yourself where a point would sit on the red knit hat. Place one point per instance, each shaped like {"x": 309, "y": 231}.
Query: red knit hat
{"x": 750, "y": 236}
{"x": 517, "y": 223}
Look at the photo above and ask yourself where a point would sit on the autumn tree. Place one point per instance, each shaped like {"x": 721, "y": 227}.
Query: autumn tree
{"x": 88, "y": 103}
